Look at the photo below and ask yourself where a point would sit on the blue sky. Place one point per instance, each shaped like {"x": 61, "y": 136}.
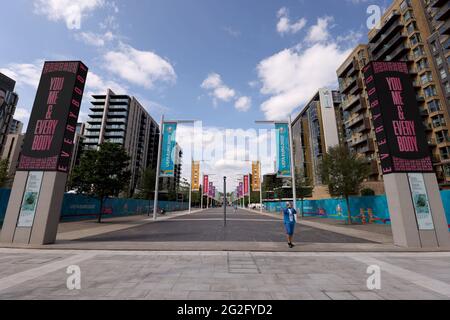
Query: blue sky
{"x": 225, "y": 62}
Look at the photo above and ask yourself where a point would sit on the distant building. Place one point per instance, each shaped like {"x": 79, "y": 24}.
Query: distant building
{"x": 315, "y": 130}
{"x": 16, "y": 127}
{"x": 77, "y": 146}
{"x": 11, "y": 151}
{"x": 122, "y": 120}
{"x": 8, "y": 103}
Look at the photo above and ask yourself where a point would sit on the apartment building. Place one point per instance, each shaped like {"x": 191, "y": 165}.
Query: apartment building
{"x": 11, "y": 152}
{"x": 403, "y": 36}
{"x": 314, "y": 131}
{"x": 359, "y": 134}
{"x": 16, "y": 127}
{"x": 8, "y": 103}
{"x": 438, "y": 14}
{"x": 122, "y": 120}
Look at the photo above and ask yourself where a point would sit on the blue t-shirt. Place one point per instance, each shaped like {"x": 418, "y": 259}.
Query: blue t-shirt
{"x": 289, "y": 215}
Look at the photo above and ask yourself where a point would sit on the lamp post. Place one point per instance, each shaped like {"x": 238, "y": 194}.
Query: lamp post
{"x": 158, "y": 167}
{"x": 291, "y": 143}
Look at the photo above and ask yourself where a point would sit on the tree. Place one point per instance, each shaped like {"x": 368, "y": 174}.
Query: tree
{"x": 148, "y": 184}
{"x": 102, "y": 173}
{"x": 4, "y": 172}
{"x": 344, "y": 172}
{"x": 303, "y": 188}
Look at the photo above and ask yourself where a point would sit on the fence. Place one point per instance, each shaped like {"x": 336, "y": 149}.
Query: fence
{"x": 364, "y": 209}
{"x": 79, "y": 207}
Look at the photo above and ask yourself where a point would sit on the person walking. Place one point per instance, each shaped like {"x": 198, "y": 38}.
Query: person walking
{"x": 290, "y": 220}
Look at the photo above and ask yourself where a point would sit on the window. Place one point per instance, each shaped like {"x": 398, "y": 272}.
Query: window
{"x": 430, "y": 91}
{"x": 443, "y": 73}
{"x": 447, "y": 87}
{"x": 404, "y": 5}
{"x": 445, "y": 153}
{"x": 439, "y": 61}
{"x": 415, "y": 39}
{"x": 442, "y": 136}
{"x": 434, "y": 106}
{"x": 426, "y": 78}
{"x": 408, "y": 16}
{"x": 433, "y": 47}
{"x": 411, "y": 27}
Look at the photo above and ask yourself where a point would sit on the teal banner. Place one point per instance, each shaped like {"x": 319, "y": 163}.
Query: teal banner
{"x": 168, "y": 150}
{"x": 283, "y": 150}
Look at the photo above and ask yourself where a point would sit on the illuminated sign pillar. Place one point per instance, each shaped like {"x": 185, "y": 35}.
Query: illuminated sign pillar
{"x": 35, "y": 203}
{"x": 416, "y": 209}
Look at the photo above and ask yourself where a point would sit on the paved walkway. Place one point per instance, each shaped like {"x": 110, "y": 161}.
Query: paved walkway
{"x": 41, "y": 274}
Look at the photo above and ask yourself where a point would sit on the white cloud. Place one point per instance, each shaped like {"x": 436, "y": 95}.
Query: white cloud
{"x": 243, "y": 104}
{"x": 95, "y": 84}
{"x": 95, "y": 39}
{"x": 71, "y": 12}
{"x": 284, "y": 23}
{"x": 25, "y": 74}
{"x": 22, "y": 114}
{"x": 290, "y": 77}
{"x": 319, "y": 32}
{"x": 218, "y": 90}
{"x": 142, "y": 68}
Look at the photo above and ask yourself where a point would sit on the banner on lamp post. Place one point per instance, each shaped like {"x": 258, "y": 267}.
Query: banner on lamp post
{"x": 205, "y": 185}
{"x": 195, "y": 176}
{"x": 256, "y": 176}
{"x": 283, "y": 150}
{"x": 168, "y": 150}
{"x": 246, "y": 185}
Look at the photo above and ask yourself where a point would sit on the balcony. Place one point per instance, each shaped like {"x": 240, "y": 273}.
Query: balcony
{"x": 439, "y": 3}
{"x": 364, "y": 127}
{"x": 348, "y": 84}
{"x": 96, "y": 115}
{"x": 354, "y": 121}
{"x": 360, "y": 140}
{"x": 348, "y": 104}
{"x": 116, "y": 120}
{"x": 117, "y": 114}
{"x": 358, "y": 88}
{"x": 443, "y": 13}
{"x": 93, "y": 127}
{"x": 386, "y": 35}
{"x": 387, "y": 24}
{"x": 370, "y": 148}
{"x": 390, "y": 47}
{"x": 445, "y": 29}
{"x": 115, "y": 134}
{"x": 397, "y": 53}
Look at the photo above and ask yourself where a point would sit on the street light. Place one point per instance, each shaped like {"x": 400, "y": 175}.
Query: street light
{"x": 158, "y": 167}
{"x": 291, "y": 142}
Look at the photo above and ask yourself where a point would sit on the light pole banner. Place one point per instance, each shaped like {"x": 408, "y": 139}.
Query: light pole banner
{"x": 246, "y": 186}
{"x": 211, "y": 187}
{"x": 241, "y": 189}
{"x": 195, "y": 176}
{"x": 256, "y": 176}
{"x": 283, "y": 151}
{"x": 205, "y": 185}
{"x": 168, "y": 150}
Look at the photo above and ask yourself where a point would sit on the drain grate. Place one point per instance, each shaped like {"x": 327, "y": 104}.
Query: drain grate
{"x": 242, "y": 264}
